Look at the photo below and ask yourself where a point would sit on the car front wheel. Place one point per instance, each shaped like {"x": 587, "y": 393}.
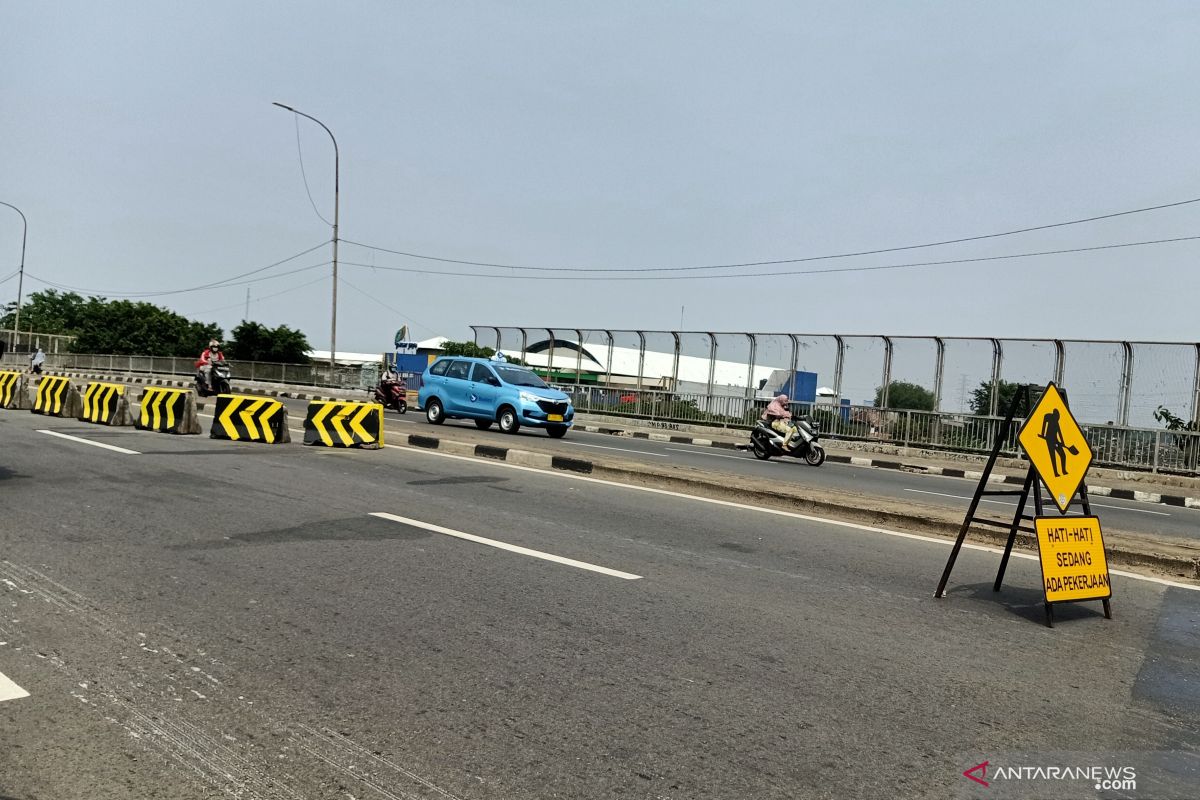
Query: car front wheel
{"x": 434, "y": 412}
{"x": 508, "y": 420}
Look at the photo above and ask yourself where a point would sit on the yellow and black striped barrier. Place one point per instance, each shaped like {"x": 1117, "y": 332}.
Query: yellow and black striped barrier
{"x": 342, "y": 423}
{"x": 252, "y": 419}
{"x": 168, "y": 411}
{"x": 56, "y": 397}
{"x": 14, "y": 391}
{"x": 105, "y": 404}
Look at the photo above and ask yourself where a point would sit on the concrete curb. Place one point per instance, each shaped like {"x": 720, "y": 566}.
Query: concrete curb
{"x": 1180, "y": 501}
{"x": 1118, "y": 553}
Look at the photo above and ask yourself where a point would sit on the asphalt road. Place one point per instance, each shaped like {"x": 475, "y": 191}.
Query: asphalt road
{"x": 933, "y": 490}
{"x": 198, "y": 619}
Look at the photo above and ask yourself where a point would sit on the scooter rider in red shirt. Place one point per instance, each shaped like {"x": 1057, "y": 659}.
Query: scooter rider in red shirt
{"x": 212, "y": 354}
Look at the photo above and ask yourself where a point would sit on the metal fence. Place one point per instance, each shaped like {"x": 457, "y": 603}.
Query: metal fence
{"x": 27, "y": 342}
{"x": 344, "y": 376}
{"x": 1155, "y": 450}
{"x": 1118, "y": 382}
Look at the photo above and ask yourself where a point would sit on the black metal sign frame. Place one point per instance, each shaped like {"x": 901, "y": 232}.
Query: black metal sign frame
{"x": 1023, "y": 397}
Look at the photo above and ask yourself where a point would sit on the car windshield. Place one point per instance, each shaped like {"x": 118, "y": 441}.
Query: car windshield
{"x": 520, "y": 377}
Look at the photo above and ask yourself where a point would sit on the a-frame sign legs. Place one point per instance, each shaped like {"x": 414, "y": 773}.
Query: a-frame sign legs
{"x": 1024, "y": 395}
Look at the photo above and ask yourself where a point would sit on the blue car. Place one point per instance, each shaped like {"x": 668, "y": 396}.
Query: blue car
{"x": 490, "y": 391}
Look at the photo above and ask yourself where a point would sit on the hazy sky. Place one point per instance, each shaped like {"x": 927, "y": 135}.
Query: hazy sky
{"x": 140, "y": 141}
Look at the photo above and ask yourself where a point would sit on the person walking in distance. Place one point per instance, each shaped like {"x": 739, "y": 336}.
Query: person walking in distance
{"x": 1052, "y": 433}
{"x": 36, "y": 360}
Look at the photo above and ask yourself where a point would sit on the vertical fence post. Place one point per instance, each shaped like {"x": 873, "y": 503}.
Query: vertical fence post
{"x": 750, "y": 387}
{"x": 839, "y": 362}
{"x": 1060, "y": 360}
{"x": 794, "y": 364}
{"x": 1157, "y": 447}
{"x": 997, "y": 366}
{"x": 641, "y": 361}
{"x": 675, "y": 363}
{"x": 475, "y": 335}
{"x": 608, "y": 361}
{"x": 524, "y": 343}
{"x": 907, "y": 428}
{"x": 1126, "y": 383}
{"x": 578, "y": 356}
{"x": 550, "y": 356}
{"x": 939, "y": 372}
{"x": 712, "y": 361}
{"x": 1196, "y": 387}
{"x": 887, "y": 372}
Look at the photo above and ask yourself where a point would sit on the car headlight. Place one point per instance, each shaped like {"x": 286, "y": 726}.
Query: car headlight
{"x": 526, "y": 397}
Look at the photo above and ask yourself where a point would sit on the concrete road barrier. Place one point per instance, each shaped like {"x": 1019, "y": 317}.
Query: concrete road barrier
{"x": 338, "y": 423}
{"x": 251, "y": 419}
{"x": 168, "y": 411}
{"x": 105, "y": 404}
{"x": 14, "y": 390}
{"x": 56, "y": 397}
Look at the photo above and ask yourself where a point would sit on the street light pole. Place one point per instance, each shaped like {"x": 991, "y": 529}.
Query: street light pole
{"x": 21, "y": 279}
{"x": 336, "y": 168}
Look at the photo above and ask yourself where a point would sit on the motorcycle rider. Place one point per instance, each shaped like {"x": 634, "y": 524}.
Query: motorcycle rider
{"x": 779, "y": 417}
{"x": 212, "y": 354}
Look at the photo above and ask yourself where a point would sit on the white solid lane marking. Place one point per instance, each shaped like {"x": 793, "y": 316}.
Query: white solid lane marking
{"x": 557, "y": 473}
{"x": 1005, "y": 503}
{"x": 717, "y": 455}
{"x": 112, "y": 447}
{"x": 622, "y": 449}
{"x": 9, "y": 690}
{"x": 512, "y": 548}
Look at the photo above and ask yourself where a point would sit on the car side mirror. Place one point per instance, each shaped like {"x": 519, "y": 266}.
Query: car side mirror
{"x": 492, "y": 380}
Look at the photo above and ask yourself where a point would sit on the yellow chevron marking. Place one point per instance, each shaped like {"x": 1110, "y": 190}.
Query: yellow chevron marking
{"x": 338, "y": 419}
{"x": 248, "y": 419}
{"x": 226, "y": 418}
{"x": 318, "y": 422}
{"x": 7, "y": 381}
{"x": 170, "y": 405}
{"x": 265, "y": 421}
{"x": 156, "y": 398}
{"x": 40, "y": 402}
{"x": 356, "y": 423}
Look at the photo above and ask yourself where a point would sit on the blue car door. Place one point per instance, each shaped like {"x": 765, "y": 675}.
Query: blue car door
{"x": 483, "y": 389}
{"x": 458, "y": 387}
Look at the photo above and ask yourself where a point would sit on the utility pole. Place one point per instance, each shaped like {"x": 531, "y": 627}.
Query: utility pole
{"x": 20, "y": 280}
{"x": 336, "y": 168}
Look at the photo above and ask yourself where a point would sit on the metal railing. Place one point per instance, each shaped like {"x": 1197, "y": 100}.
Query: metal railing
{"x": 358, "y": 376}
{"x": 1149, "y": 449}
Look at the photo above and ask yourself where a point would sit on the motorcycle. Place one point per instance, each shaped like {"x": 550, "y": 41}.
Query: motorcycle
{"x": 392, "y": 394}
{"x": 765, "y": 441}
{"x": 220, "y": 380}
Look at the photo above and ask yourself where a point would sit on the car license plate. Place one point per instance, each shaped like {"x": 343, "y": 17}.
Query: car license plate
{"x": 554, "y": 417}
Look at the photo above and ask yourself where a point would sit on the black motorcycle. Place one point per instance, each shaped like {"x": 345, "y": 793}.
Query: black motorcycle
{"x": 220, "y": 380}
{"x": 765, "y": 441}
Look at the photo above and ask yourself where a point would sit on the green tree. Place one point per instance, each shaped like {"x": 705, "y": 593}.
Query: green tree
{"x": 902, "y": 394}
{"x": 253, "y": 341}
{"x": 981, "y": 398}
{"x": 120, "y": 327}
{"x": 467, "y": 349}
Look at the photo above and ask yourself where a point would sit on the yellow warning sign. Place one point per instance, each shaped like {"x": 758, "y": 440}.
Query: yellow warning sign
{"x": 1072, "y": 555}
{"x": 1056, "y": 447}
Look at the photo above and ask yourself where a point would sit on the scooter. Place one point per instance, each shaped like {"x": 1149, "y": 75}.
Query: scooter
{"x": 220, "y": 380}
{"x": 392, "y": 394}
{"x": 765, "y": 441}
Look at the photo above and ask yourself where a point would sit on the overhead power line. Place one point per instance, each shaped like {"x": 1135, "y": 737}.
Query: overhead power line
{"x": 214, "y": 285}
{"x": 803, "y": 259}
{"x": 911, "y": 265}
{"x": 394, "y": 310}
{"x": 240, "y": 304}
{"x": 300, "y": 155}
